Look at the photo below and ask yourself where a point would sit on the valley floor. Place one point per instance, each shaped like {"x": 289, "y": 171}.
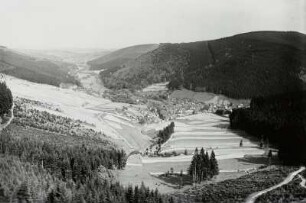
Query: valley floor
{"x": 202, "y": 130}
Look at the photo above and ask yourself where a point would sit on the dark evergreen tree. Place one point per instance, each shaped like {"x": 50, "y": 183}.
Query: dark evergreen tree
{"x": 129, "y": 194}
{"x": 136, "y": 195}
{"x": 214, "y": 168}
{"x": 204, "y": 165}
{"x": 23, "y": 194}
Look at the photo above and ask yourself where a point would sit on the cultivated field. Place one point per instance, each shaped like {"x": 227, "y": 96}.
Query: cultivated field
{"x": 203, "y": 130}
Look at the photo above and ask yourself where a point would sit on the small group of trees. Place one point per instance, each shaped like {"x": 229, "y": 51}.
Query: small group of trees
{"x": 203, "y": 166}
{"x": 164, "y": 135}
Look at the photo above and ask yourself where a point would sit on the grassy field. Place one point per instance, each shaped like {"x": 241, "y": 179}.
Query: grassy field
{"x": 201, "y": 130}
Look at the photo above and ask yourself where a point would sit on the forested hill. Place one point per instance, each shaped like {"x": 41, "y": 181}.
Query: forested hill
{"x": 241, "y": 66}
{"x": 33, "y": 69}
{"x": 118, "y": 58}
{"x": 279, "y": 118}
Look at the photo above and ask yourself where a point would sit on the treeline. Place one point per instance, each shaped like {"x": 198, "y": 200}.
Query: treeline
{"x": 279, "y": 118}
{"x": 164, "y": 135}
{"x": 25, "y": 182}
{"x": 6, "y": 98}
{"x": 203, "y": 167}
{"x": 142, "y": 194}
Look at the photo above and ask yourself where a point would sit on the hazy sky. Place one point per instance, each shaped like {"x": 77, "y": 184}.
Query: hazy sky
{"x": 120, "y": 23}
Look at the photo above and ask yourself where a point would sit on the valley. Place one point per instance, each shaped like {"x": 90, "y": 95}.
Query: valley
{"x": 104, "y": 116}
{"x": 189, "y": 101}
{"x": 98, "y": 116}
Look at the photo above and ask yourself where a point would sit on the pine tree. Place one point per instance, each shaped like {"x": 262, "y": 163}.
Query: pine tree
{"x": 136, "y": 194}
{"x": 204, "y": 165}
{"x": 214, "y": 164}
{"x": 171, "y": 200}
{"x": 129, "y": 194}
{"x": 198, "y": 167}
{"x": 192, "y": 166}
{"x": 23, "y": 193}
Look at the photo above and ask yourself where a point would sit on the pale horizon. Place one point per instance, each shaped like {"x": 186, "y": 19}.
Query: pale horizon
{"x": 113, "y": 24}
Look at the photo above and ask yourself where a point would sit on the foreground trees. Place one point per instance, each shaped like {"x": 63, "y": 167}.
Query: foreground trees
{"x": 43, "y": 166}
{"x": 33, "y": 170}
{"x": 203, "y": 167}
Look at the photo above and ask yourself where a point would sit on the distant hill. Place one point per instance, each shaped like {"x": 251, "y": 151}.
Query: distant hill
{"x": 72, "y": 56}
{"x": 34, "y": 69}
{"x": 241, "y": 66}
{"x": 118, "y": 58}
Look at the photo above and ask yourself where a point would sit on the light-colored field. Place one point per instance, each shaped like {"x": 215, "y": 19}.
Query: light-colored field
{"x": 78, "y": 104}
{"x": 156, "y": 87}
{"x": 201, "y": 130}
{"x": 205, "y": 97}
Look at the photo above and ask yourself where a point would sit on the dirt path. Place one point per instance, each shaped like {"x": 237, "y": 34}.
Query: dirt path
{"x": 303, "y": 182}
{"x": 2, "y": 127}
{"x": 288, "y": 179}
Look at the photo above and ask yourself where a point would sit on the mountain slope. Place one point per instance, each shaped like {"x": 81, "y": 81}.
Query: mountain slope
{"x": 120, "y": 57}
{"x": 241, "y": 66}
{"x": 279, "y": 118}
{"x": 33, "y": 69}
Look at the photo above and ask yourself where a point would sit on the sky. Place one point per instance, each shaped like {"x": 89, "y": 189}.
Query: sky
{"x": 108, "y": 24}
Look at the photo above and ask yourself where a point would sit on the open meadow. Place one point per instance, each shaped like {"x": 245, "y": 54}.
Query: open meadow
{"x": 203, "y": 130}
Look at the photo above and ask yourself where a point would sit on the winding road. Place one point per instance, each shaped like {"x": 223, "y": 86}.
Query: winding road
{"x": 303, "y": 182}
{"x": 287, "y": 180}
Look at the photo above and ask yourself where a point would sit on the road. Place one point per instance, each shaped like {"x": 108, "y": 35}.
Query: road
{"x": 252, "y": 198}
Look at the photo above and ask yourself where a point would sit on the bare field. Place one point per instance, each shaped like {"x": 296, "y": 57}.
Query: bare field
{"x": 78, "y": 104}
